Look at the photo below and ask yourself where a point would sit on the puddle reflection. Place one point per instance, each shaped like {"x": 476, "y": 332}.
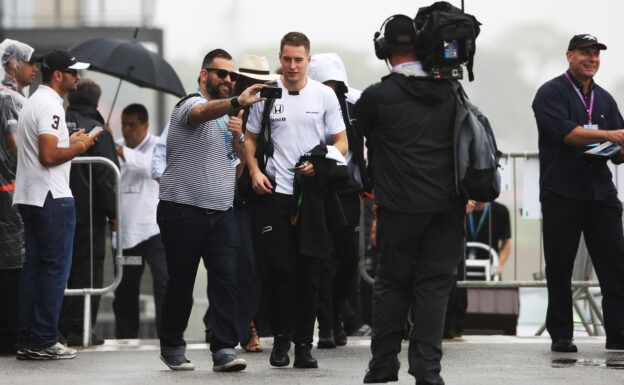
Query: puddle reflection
{"x": 572, "y": 362}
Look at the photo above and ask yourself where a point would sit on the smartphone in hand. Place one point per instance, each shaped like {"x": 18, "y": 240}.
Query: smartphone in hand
{"x": 95, "y": 131}
{"x": 271, "y": 92}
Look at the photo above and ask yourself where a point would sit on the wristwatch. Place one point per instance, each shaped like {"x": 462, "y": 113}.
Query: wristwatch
{"x": 235, "y": 103}
{"x": 241, "y": 139}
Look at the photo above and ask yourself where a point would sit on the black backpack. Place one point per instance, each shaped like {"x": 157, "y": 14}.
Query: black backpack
{"x": 475, "y": 150}
{"x": 439, "y": 24}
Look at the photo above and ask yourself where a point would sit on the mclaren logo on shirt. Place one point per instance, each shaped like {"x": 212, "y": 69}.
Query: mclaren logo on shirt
{"x": 278, "y": 109}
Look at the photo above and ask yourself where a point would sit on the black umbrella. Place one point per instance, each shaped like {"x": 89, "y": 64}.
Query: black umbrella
{"x": 129, "y": 60}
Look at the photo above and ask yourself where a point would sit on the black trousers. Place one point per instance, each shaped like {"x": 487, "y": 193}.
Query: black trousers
{"x": 84, "y": 273}
{"x": 9, "y": 287}
{"x": 339, "y": 271}
{"x": 126, "y": 302}
{"x": 294, "y": 279}
{"x": 416, "y": 269}
{"x": 601, "y": 223}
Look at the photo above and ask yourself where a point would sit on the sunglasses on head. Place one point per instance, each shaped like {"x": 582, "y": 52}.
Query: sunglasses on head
{"x": 222, "y": 74}
{"x": 70, "y": 71}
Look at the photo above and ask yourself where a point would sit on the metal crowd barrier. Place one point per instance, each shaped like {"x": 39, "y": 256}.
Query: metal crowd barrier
{"x": 118, "y": 259}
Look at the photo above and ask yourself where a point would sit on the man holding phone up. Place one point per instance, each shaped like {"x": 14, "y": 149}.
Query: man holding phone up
{"x": 299, "y": 121}
{"x": 195, "y": 212}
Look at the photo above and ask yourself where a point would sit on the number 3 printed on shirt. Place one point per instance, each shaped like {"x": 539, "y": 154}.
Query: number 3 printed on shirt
{"x": 56, "y": 122}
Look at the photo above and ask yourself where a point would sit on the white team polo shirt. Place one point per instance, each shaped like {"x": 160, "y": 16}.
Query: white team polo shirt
{"x": 43, "y": 113}
{"x": 298, "y": 124}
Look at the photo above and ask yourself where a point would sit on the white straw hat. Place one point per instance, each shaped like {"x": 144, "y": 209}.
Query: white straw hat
{"x": 256, "y": 67}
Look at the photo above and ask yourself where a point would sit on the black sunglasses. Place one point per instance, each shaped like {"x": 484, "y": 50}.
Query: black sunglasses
{"x": 70, "y": 71}
{"x": 222, "y": 74}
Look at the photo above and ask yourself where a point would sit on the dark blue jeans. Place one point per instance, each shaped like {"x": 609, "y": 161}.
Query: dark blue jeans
{"x": 49, "y": 233}
{"x": 189, "y": 233}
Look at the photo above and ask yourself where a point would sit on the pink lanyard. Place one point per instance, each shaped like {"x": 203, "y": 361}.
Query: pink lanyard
{"x": 591, "y": 99}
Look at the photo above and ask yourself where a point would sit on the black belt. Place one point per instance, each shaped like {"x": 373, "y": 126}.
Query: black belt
{"x": 191, "y": 208}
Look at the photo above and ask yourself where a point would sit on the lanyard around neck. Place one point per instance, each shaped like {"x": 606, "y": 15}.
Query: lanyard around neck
{"x": 473, "y": 232}
{"x": 591, "y": 99}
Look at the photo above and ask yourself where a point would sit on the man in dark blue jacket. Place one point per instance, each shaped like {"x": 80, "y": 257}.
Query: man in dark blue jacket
{"x": 408, "y": 122}
{"x": 577, "y": 193}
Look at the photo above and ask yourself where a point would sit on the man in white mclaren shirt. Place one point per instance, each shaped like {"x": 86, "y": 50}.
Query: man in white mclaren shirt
{"x": 141, "y": 235}
{"x": 297, "y": 123}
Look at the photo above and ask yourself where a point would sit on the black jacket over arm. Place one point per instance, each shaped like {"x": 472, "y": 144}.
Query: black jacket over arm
{"x": 316, "y": 208}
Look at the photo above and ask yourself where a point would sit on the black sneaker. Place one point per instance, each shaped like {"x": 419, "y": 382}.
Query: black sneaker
{"x": 279, "y": 354}
{"x": 326, "y": 340}
{"x": 303, "y": 357}
{"x": 340, "y": 337}
{"x": 374, "y": 378}
{"x": 563, "y": 345}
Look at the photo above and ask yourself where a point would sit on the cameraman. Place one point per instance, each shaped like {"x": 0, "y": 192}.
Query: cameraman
{"x": 408, "y": 121}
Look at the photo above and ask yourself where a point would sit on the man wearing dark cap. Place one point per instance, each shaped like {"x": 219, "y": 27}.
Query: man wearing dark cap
{"x": 45, "y": 201}
{"x": 18, "y": 61}
{"x": 577, "y": 193}
{"x": 408, "y": 121}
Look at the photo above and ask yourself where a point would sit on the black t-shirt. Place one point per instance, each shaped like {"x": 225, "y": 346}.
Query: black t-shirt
{"x": 501, "y": 229}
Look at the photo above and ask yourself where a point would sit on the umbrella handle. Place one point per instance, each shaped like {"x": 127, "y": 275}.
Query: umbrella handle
{"x": 114, "y": 100}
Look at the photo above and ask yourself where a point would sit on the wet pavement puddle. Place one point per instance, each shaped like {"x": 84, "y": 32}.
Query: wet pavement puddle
{"x": 572, "y": 362}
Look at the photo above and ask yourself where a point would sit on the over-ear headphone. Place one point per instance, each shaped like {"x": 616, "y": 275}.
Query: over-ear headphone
{"x": 382, "y": 50}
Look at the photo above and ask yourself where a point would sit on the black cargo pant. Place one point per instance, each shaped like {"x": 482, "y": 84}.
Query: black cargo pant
{"x": 294, "y": 279}
{"x": 416, "y": 269}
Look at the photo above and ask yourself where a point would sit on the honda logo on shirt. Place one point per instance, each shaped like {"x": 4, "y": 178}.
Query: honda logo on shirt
{"x": 278, "y": 108}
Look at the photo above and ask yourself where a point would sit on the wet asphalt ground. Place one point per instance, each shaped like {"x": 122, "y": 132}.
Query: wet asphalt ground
{"x": 467, "y": 361}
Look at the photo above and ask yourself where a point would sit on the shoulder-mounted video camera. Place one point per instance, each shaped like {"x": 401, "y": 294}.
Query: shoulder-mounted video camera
{"x": 443, "y": 39}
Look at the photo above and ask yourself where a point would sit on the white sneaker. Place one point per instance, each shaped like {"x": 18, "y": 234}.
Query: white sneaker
{"x": 57, "y": 351}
